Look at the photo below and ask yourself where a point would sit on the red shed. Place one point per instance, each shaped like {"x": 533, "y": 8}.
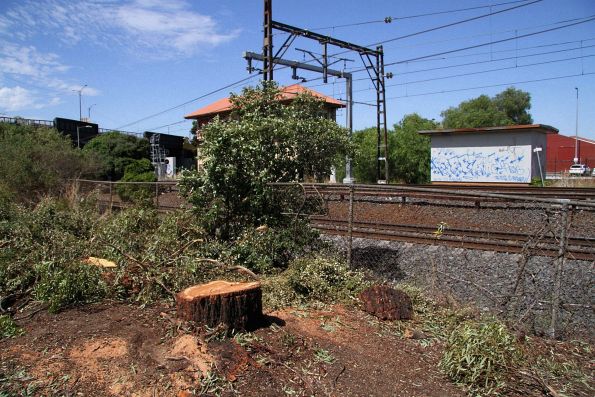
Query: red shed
{"x": 560, "y": 152}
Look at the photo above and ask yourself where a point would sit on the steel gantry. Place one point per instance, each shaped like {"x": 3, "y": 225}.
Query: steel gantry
{"x": 373, "y": 60}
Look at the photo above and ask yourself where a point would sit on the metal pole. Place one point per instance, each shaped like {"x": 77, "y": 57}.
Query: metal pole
{"x": 78, "y": 137}
{"x": 348, "y": 165}
{"x": 576, "y": 130}
{"x": 558, "y": 275}
{"x": 350, "y": 242}
{"x": 267, "y": 49}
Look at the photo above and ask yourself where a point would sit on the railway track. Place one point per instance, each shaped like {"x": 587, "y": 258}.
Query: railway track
{"x": 582, "y": 248}
{"x": 453, "y": 192}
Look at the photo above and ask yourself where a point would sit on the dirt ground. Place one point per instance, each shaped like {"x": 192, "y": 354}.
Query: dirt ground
{"x": 113, "y": 349}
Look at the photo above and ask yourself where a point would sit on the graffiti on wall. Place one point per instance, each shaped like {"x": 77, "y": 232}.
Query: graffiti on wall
{"x": 482, "y": 164}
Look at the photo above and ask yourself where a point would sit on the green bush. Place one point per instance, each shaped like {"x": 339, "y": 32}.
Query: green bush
{"x": 324, "y": 279}
{"x": 35, "y": 162}
{"x": 478, "y": 354}
{"x": 8, "y": 328}
{"x": 63, "y": 286}
{"x": 137, "y": 171}
{"x": 265, "y": 249}
{"x": 116, "y": 151}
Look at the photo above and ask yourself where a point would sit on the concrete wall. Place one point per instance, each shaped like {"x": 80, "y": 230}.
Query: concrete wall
{"x": 487, "y": 156}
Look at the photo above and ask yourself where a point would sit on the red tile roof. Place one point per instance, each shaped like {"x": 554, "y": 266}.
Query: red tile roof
{"x": 287, "y": 94}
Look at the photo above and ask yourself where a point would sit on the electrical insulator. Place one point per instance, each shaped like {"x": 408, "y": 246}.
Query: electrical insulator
{"x": 388, "y": 19}
{"x": 389, "y": 75}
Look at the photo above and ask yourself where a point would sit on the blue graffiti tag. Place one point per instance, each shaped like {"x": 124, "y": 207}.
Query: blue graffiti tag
{"x": 504, "y": 164}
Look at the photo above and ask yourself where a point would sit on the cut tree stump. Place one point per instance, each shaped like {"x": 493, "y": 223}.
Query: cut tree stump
{"x": 387, "y": 303}
{"x": 237, "y": 305}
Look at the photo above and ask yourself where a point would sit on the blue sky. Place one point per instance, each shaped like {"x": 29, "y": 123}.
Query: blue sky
{"x": 139, "y": 58}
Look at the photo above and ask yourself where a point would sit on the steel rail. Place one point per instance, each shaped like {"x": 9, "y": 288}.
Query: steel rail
{"x": 588, "y": 242}
{"x": 540, "y": 249}
{"x": 469, "y": 193}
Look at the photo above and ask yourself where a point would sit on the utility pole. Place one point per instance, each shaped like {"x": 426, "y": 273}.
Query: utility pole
{"x": 80, "y": 101}
{"x": 576, "y": 130}
{"x": 372, "y": 59}
{"x": 89, "y": 113}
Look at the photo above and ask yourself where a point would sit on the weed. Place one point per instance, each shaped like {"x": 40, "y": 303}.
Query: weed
{"x": 478, "y": 354}
{"x": 324, "y": 279}
{"x": 324, "y": 356}
{"x": 8, "y": 328}
{"x": 62, "y": 286}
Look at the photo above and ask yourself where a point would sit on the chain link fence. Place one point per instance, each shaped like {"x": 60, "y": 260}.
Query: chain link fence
{"x": 529, "y": 259}
{"x": 109, "y": 196}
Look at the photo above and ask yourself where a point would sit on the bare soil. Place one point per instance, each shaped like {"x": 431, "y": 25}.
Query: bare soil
{"x": 113, "y": 349}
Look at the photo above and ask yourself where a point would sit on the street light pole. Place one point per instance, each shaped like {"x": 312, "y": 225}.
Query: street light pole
{"x": 90, "y": 110}
{"x": 576, "y": 130}
{"x": 80, "y": 101}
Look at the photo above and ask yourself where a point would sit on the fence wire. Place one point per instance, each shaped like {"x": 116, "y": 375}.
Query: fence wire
{"x": 528, "y": 259}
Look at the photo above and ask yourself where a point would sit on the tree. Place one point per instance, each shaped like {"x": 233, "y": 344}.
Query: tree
{"x": 37, "y": 161}
{"x": 412, "y": 150}
{"x": 137, "y": 171}
{"x": 263, "y": 141}
{"x": 516, "y": 104}
{"x": 116, "y": 151}
{"x": 507, "y": 108}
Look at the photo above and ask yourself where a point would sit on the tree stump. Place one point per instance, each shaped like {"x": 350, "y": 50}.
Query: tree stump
{"x": 237, "y": 305}
{"x": 387, "y": 303}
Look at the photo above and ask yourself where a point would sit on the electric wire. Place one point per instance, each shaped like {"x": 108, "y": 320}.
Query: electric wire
{"x": 251, "y": 76}
{"x": 454, "y": 23}
{"x": 389, "y": 19}
{"x": 481, "y": 87}
{"x": 516, "y": 57}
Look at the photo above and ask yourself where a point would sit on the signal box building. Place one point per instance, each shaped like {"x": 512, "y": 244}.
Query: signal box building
{"x": 222, "y": 107}
{"x": 489, "y": 155}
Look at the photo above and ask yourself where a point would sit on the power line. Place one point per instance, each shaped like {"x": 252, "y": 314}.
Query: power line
{"x": 455, "y": 23}
{"x": 516, "y": 57}
{"x": 251, "y": 76}
{"x": 396, "y": 18}
{"x": 589, "y": 19}
{"x": 497, "y": 59}
{"x": 487, "y": 86}
{"x": 487, "y": 71}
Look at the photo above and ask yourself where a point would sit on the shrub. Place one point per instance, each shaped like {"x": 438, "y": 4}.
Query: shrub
{"x": 8, "y": 328}
{"x": 324, "y": 279}
{"x": 478, "y": 354}
{"x": 137, "y": 171}
{"x": 35, "y": 162}
{"x": 63, "y": 286}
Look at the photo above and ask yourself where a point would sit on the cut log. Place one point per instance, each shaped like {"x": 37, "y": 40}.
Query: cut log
{"x": 237, "y": 305}
{"x": 387, "y": 303}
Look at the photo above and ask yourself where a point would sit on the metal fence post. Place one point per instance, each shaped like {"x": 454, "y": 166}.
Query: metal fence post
{"x": 111, "y": 196}
{"x": 559, "y": 269}
{"x": 350, "y": 242}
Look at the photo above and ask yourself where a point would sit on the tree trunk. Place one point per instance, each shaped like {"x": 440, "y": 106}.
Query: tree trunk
{"x": 237, "y": 305}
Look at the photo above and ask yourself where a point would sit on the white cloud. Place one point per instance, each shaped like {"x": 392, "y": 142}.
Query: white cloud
{"x": 37, "y": 68}
{"x": 157, "y": 29}
{"x": 16, "y": 98}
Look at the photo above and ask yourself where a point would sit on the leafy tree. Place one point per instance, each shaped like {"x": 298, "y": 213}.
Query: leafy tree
{"x": 516, "y": 104}
{"x": 38, "y": 161}
{"x": 506, "y": 108}
{"x": 263, "y": 141}
{"x": 116, "y": 151}
{"x": 408, "y": 152}
{"x": 412, "y": 150}
{"x": 137, "y": 171}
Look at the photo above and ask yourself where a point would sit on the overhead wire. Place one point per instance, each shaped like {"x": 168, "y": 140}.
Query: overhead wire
{"x": 516, "y": 57}
{"x": 389, "y": 19}
{"x": 251, "y": 76}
